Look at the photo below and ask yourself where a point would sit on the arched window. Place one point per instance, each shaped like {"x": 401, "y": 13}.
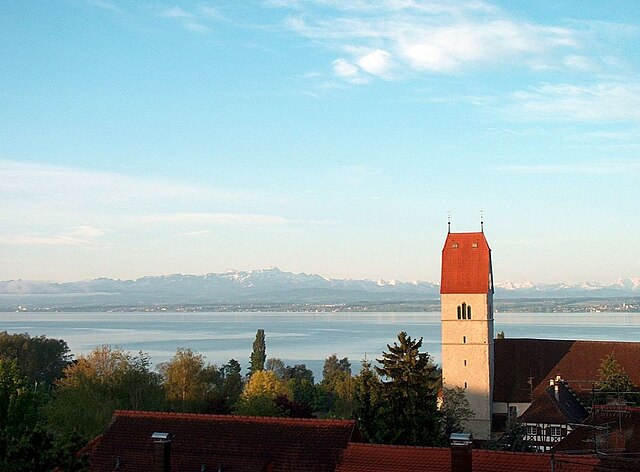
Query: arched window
{"x": 459, "y": 312}
{"x": 468, "y": 312}
{"x": 464, "y": 311}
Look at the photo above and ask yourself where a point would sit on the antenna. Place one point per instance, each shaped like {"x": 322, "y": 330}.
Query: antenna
{"x": 449, "y": 221}
{"x": 482, "y": 221}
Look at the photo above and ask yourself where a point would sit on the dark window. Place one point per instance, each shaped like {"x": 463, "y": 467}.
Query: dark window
{"x": 465, "y": 362}
{"x": 459, "y": 312}
{"x": 464, "y": 339}
{"x": 465, "y": 385}
{"x": 464, "y": 311}
{"x": 468, "y": 312}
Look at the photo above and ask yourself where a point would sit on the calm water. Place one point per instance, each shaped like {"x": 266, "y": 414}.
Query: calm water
{"x": 294, "y": 337}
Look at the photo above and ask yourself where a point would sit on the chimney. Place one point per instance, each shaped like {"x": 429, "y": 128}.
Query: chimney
{"x": 461, "y": 456}
{"x": 556, "y": 387}
{"x": 161, "y": 452}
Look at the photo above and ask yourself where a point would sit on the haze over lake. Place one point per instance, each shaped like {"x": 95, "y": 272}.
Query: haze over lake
{"x": 294, "y": 337}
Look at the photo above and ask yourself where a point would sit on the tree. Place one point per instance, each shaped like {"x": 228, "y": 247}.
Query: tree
{"x": 232, "y": 383}
{"x": 259, "y": 353}
{"x": 368, "y": 404}
{"x": 513, "y": 439}
{"x": 187, "y": 380}
{"x": 455, "y": 410}
{"x": 260, "y": 392}
{"x": 409, "y": 391}
{"x": 25, "y": 442}
{"x": 613, "y": 377}
{"x": 500, "y": 335}
{"x": 40, "y": 359}
{"x": 614, "y": 382}
{"x": 277, "y": 366}
{"x": 98, "y": 383}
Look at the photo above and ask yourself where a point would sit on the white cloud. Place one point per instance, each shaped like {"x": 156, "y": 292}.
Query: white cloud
{"x": 596, "y": 168}
{"x": 23, "y": 240}
{"x": 376, "y": 62}
{"x": 176, "y": 12}
{"x": 86, "y": 232}
{"x": 602, "y": 102}
{"x": 215, "y": 218}
{"x": 394, "y": 37}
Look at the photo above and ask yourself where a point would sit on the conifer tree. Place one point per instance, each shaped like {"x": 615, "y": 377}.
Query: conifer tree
{"x": 410, "y": 382}
{"x": 259, "y": 353}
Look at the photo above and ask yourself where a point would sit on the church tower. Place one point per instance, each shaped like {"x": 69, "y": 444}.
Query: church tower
{"x": 466, "y": 291}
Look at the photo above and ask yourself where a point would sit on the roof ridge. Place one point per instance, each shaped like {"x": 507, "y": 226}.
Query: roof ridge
{"x": 208, "y": 416}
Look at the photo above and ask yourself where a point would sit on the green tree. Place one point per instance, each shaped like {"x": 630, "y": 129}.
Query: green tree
{"x": 26, "y": 444}
{"x": 500, "y": 335}
{"x": 98, "y": 383}
{"x": 40, "y": 359}
{"x": 455, "y": 410}
{"x": 368, "y": 404}
{"x": 337, "y": 384}
{"x": 409, "y": 392}
{"x": 513, "y": 439}
{"x": 232, "y": 383}
{"x": 613, "y": 377}
{"x": 259, "y": 353}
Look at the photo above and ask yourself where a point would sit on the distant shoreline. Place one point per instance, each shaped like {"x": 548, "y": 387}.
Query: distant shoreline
{"x": 549, "y": 305}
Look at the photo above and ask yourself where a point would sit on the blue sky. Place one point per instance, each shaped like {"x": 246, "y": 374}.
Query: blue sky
{"x": 321, "y": 136}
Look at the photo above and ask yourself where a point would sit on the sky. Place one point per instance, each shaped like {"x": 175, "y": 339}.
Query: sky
{"x": 320, "y": 136}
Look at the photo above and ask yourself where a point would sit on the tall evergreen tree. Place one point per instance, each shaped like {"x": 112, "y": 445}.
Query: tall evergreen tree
{"x": 259, "y": 353}
{"x": 409, "y": 390}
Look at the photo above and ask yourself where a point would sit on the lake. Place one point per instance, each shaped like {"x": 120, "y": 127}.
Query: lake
{"x": 295, "y": 337}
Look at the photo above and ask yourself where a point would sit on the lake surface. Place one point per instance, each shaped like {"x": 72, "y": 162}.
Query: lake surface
{"x": 295, "y": 337}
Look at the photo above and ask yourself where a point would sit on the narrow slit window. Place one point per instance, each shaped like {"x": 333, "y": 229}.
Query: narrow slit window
{"x": 465, "y": 363}
{"x": 464, "y": 340}
{"x": 459, "y": 312}
{"x": 468, "y": 312}
{"x": 464, "y": 311}
{"x": 465, "y": 385}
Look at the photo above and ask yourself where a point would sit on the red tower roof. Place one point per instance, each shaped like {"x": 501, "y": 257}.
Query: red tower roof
{"x": 466, "y": 264}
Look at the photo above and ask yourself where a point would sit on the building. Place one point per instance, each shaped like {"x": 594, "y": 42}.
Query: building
{"x": 466, "y": 290}
{"x": 552, "y": 415}
{"x": 181, "y": 442}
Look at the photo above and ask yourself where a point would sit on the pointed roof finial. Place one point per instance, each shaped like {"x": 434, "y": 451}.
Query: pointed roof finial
{"x": 482, "y": 221}
{"x": 449, "y": 221}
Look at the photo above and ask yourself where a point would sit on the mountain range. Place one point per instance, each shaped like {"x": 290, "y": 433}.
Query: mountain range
{"x": 271, "y": 286}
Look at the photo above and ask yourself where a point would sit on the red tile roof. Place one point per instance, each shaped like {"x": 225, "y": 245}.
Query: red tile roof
{"x": 577, "y": 362}
{"x": 377, "y": 458}
{"x": 238, "y": 443}
{"x": 466, "y": 264}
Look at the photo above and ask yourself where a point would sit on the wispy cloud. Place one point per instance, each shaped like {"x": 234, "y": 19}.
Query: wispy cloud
{"x": 596, "y": 168}
{"x": 600, "y": 102}
{"x": 392, "y": 38}
{"x": 77, "y": 236}
{"x": 192, "y": 20}
{"x": 105, "y": 5}
{"x": 215, "y": 218}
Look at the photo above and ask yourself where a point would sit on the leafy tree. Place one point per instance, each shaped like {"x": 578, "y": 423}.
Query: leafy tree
{"x": 613, "y": 377}
{"x": 614, "y": 382}
{"x": 455, "y": 410}
{"x": 337, "y": 385}
{"x": 500, "y": 335}
{"x": 259, "y": 353}
{"x": 232, "y": 383}
{"x": 260, "y": 392}
{"x": 299, "y": 372}
{"x": 98, "y": 383}
{"x": 513, "y": 439}
{"x": 277, "y": 366}
{"x": 368, "y": 404}
{"x": 409, "y": 392}
{"x": 188, "y": 382}
{"x": 26, "y": 444}
{"x": 40, "y": 359}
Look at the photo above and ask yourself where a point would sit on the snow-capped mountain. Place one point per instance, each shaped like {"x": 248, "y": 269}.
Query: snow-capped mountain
{"x": 272, "y": 286}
